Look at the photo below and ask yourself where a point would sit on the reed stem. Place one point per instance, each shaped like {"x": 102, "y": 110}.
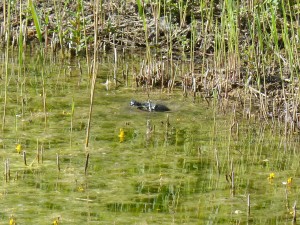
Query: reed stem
{"x": 24, "y": 158}
{"x": 86, "y": 163}
{"x": 248, "y": 205}
{"x": 58, "y": 162}
{"x": 95, "y": 69}
{"x": 7, "y": 170}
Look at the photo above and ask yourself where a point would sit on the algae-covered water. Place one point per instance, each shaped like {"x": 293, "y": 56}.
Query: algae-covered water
{"x": 192, "y": 165}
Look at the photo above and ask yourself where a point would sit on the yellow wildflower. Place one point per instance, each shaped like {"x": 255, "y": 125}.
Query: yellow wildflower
{"x": 288, "y": 182}
{"x": 55, "y": 222}
{"x": 19, "y": 148}
{"x": 12, "y": 221}
{"x": 121, "y": 135}
{"x": 271, "y": 176}
{"x": 80, "y": 189}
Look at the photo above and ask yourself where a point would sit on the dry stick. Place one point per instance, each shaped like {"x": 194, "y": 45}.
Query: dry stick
{"x": 24, "y": 158}
{"x": 234, "y": 119}
{"x": 168, "y": 122}
{"x": 126, "y": 75}
{"x": 44, "y": 98}
{"x": 115, "y": 61}
{"x": 232, "y": 182}
{"x": 42, "y": 152}
{"x": 37, "y": 151}
{"x": 167, "y": 128}
{"x": 115, "y": 76}
{"x": 115, "y": 50}
{"x": 7, "y": 170}
{"x": 86, "y": 163}
{"x": 7, "y": 32}
{"x": 17, "y": 176}
{"x": 232, "y": 178}
{"x": 194, "y": 86}
{"x": 294, "y": 212}
{"x": 57, "y": 162}
{"x": 94, "y": 75}
{"x": 248, "y": 204}
{"x": 286, "y": 199}
{"x": 217, "y": 161}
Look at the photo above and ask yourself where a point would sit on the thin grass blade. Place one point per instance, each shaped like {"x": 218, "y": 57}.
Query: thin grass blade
{"x": 36, "y": 21}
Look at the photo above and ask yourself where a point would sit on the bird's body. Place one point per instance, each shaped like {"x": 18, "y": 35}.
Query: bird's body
{"x": 149, "y": 106}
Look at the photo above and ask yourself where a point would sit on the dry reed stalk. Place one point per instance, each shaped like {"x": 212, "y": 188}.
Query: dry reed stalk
{"x": 115, "y": 51}
{"x": 42, "y": 153}
{"x": 286, "y": 199}
{"x": 86, "y": 163}
{"x": 24, "y": 158}
{"x": 7, "y": 33}
{"x": 217, "y": 161}
{"x": 7, "y": 170}
{"x": 295, "y": 212}
{"x": 95, "y": 69}
{"x": 248, "y": 205}
{"x": 44, "y": 99}
{"x": 37, "y": 151}
{"x": 232, "y": 179}
{"x": 57, "y": 162}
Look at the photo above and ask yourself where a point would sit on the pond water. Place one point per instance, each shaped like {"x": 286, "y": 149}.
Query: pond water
{"x": 192, "y": 165}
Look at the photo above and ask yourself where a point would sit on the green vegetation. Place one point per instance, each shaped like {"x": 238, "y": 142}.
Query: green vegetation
{"x": 227, "y": 152}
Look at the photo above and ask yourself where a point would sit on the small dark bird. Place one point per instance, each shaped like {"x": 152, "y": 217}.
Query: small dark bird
{"x": 149, "y": 106}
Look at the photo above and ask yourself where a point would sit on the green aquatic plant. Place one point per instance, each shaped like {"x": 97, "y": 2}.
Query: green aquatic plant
{"x": 78, "y": 39}
{"x": 36, "y": 20}
{"x": 140, "y": 8}
{"x": 59, "y": 28}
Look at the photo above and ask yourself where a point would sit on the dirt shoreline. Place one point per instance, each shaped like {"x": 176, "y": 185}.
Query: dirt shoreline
{"x": 119, "y": 25}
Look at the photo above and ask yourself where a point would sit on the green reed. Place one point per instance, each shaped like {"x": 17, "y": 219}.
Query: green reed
{"x": 156, "y": 14}
{"x": 144, "y": 20}
{"x": 193, "y": 43}
{"x": 183, "y": 9}
{"x": 36, "y": 21}
{"x": 21, "y": 36}
{"x": 59, "y": 24}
